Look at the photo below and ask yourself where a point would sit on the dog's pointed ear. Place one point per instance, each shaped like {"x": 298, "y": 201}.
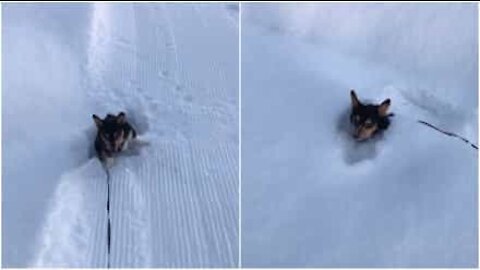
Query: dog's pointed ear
{"x": 355, "y": 101}
{"x": 97, "y": 120}
{"x": 121, "y": 118}
{"x": 383, "y": 108}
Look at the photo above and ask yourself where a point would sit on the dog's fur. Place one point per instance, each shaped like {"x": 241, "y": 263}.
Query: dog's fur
{"x": 113, "y": 135}
{"x": 368, "y": 119}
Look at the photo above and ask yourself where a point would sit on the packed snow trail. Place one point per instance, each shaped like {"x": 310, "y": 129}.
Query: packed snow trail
{"x": 174, "y": 70}
{"x": 311, "y": 195}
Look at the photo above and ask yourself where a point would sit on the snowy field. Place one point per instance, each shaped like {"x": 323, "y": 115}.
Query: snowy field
{"x": 173, "y": 68}
{"x": 313, "y": 197}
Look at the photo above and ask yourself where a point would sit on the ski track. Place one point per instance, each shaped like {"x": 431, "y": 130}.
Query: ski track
{"x": 174, "y": 204}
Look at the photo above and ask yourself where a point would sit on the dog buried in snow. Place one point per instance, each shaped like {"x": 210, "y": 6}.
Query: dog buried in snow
{"x": 368, "y": 119}
{"x": 114, "y": 134}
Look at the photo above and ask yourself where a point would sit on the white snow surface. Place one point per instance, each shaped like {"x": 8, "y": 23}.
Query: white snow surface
{"x": 173, "y": 68}
{"x": 313, "y": 197}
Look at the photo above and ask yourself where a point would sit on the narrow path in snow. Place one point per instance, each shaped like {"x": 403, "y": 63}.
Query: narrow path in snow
{"x": 175, "y": 202}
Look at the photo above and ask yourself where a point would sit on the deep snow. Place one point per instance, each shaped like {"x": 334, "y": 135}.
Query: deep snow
{"x": 313, "y": 197}
{"x": 174, "y": 69}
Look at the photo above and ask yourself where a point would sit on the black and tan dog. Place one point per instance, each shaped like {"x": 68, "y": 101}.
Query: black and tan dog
{"x": 114, "y": 134}
{"x": 368, "y": 119}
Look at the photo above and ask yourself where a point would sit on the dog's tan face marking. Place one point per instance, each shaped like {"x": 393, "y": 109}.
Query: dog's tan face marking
{"x": 118, "y": 140}
{"x": 366, "y": 130}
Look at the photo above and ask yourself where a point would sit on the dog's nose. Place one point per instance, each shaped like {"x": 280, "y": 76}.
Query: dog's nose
{"x": 357, "y": 137}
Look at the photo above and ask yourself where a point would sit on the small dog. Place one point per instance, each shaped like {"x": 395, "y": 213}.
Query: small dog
{"x": 368, "y": 119}
{"x": 113, "y": 136}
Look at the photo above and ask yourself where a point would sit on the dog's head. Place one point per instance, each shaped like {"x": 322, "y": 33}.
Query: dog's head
{"x": 368, "y": 119}
{"x": 111, "y": 131}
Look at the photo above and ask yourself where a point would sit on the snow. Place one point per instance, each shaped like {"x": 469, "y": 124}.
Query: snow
{"x": 174, "y": 69}
{"x": 311, "y": 197}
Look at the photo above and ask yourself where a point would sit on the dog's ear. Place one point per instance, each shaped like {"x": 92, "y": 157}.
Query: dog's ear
{"x": 97, "y": 120}
{"x": 355, "y": 101}
{"x": 383, "y": 108}
{"x": 121, "y": 118}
